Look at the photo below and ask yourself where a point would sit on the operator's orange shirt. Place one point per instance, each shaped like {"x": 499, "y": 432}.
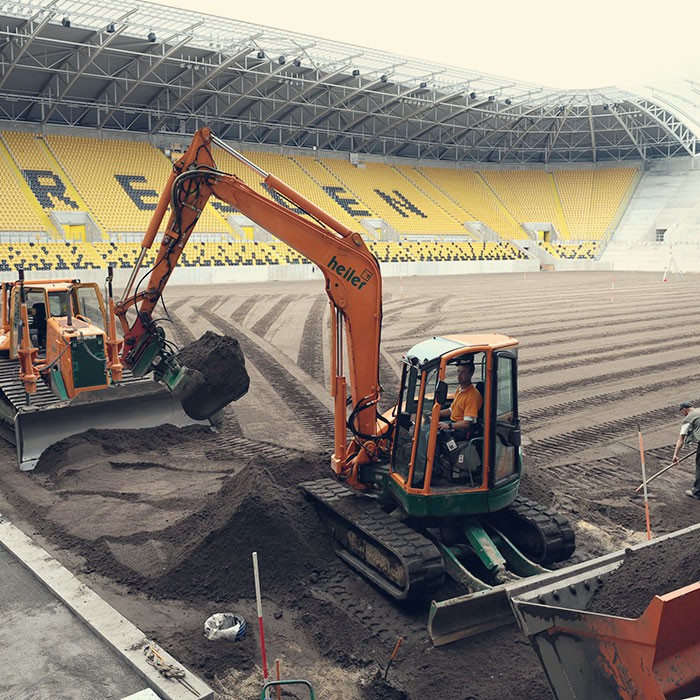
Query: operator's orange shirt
{"x": 466, "y": 404}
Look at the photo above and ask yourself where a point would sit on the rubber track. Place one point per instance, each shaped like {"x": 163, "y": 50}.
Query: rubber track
{"x": 421, "y": 559}
{"x": 558, "y": 535}
{"x": 13, "y": 394}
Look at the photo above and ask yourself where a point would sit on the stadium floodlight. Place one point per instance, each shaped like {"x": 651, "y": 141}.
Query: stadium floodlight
{"x": 423, "y": 86}
{"x": 297, "y": 63}
{"x": 111, "y": 28}
{"x": 384, "y": 78}
{"x": 356, "y": 73}
{"x": 151, "y": 37}
{"x": 260, "y": 54}
{"x": 492, "y": 98}
{"x": 472, "y": 95}
{"x": 509, "y": 101}
{"x": 65, "y": 22}
{"x": 282, "y": 60}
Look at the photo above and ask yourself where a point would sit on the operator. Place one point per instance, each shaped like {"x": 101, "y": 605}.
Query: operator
{"x": 456, "y": 422}
{"x": 690, "y": 433}
{"x": 461, "y": 416}
{"x": 39, "y": 313}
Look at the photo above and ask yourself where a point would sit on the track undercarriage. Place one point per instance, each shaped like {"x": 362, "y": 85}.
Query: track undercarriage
{"x": 410, "y": 558}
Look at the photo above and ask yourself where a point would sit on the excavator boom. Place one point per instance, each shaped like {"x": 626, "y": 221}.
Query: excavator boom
{"x": 353, "y": 285}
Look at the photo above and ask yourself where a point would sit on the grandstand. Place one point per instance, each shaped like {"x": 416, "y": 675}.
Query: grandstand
{"x": 465, "y": 173}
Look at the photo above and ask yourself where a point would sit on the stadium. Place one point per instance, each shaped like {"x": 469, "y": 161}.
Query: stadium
{"x": 565, "y": 218}
{"x": 435, "y": 166}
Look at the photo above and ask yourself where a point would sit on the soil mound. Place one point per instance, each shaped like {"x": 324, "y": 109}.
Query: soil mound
{"x": 259, "y": 515}
{"x": 656, "y": 569}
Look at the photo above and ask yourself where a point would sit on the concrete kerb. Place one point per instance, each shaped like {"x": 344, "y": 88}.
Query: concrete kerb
{"x": 120, "y": 634}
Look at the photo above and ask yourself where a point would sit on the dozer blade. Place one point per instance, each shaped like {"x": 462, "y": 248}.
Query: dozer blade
{"x": 470, "y": 614}
{"x": 142, "y": 404}
{"x": 591, "y": 655}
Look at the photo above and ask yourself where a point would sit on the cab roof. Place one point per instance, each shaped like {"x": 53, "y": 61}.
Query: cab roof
{"x": 429, "y": 350}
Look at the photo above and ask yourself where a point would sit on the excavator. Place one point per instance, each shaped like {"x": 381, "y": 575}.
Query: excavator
{"x": 406, "y": 510}
{"x": 60, "y": 371}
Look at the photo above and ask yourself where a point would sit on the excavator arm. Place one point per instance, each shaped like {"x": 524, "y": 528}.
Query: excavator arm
{"x": 353, "y": 285}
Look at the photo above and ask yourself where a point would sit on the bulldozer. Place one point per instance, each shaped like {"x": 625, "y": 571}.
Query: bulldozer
{"x": 60, "y": 372}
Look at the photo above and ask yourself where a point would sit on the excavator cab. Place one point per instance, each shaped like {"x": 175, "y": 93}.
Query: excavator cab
{"x": 452, "y": 474}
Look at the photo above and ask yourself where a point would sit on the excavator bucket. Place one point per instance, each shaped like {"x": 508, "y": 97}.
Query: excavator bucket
{"x": 585, "y": 654}
{"x": 214, "y": 375}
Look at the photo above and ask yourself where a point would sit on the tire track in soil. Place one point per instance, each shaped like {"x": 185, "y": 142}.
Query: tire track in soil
{"x": 614, "y": 352}
{"x": 575, "y": 441}
{"x": 313, "y": 416}
{"x": 311, "y": 358}
{"x": 562, "y": 409}
{"x": 235, "y": 445}
{"x": 595, "y": 380}
{"x": 605, "y": 333}
{"x": 383, "y": 620}
{"x": 239, "y": 315}
{"x": 579, "y": 323}
{"x": 262, "y": 325}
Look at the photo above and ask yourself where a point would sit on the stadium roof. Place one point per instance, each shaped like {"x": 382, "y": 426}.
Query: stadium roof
{"x": 142, "y": 67}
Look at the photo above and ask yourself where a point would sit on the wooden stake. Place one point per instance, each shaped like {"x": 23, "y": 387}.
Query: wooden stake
{"x": 260, "y": 617}
{"x": 644, "y": 482}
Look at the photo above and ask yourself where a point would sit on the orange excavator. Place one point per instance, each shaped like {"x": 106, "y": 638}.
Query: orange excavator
{"x": 407, "y": 507}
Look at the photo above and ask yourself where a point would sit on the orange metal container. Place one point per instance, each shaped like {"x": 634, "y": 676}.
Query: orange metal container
{"x": 589, "y": 655}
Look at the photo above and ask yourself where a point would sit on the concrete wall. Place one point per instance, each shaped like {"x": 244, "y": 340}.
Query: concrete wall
{"x": 272, "y": 273}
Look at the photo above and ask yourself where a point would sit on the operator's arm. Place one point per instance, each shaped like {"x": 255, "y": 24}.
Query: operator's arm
{"x": 464, "y": 411}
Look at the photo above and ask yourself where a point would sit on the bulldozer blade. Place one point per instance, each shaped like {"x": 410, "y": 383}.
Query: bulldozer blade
{"x": 141, "y": 405}
{"x": 655, "y": 656}
{"x": 470, "y": 614}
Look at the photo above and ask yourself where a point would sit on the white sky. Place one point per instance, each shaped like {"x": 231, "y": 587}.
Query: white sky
{"x": 561, "y": 44}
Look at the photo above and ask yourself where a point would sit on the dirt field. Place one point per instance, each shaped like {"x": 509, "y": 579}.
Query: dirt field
{"x": 163, "y": 523}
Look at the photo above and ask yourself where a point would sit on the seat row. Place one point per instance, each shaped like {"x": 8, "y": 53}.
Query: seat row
{"x": 119, "y": 182}
{"x": 63, "y": 256}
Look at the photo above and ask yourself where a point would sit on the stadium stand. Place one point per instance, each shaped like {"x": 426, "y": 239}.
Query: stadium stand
{"x": 389, "y": 195}
{"x": 571, "y": 251}
{"x": 42, "y": 173}
{"x": 468, "y": 189}
{"x": 529, "y": 195}
{"x": 591, "y": 199}
{"x": 121, "y": 182}
{"x": 48, "y": 256}
{"x": 18, "y": 215}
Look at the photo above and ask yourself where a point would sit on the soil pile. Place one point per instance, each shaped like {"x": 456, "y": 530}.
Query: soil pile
{"x": 656, "y": 569}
